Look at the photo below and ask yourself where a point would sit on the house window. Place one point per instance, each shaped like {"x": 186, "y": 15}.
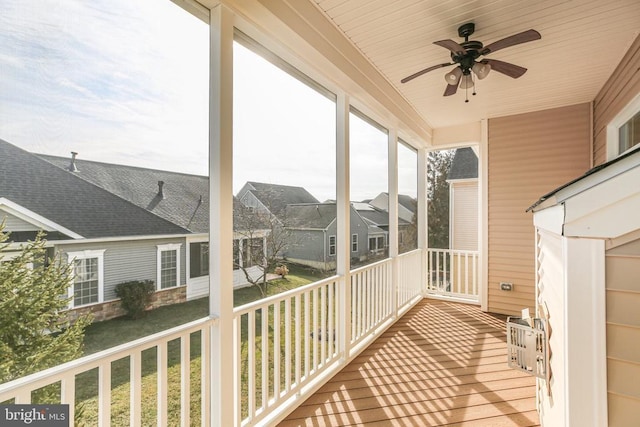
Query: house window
{"x": 199, "y": 259}
{"x": 88, "y": 277}
{"x": 354, "y": 243}
{"x": 332, "y": 245}
{"x": 372, "y": 243}
{"x": 168, "y": 266}
{"x": 623, "y": 132}
{"x": 380, "y": 242}
{"x": 629, "y": 134}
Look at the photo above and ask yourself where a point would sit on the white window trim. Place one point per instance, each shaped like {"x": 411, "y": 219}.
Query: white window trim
{"x": 87, "y": 254}
{"x": 335, "y": 248}
{"x": 168, "y": 247}
{"x": 613, "y": 128}
{"x": 354, "y": 242}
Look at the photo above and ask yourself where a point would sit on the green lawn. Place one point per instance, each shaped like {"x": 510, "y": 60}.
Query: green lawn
{"x": 103, "y": 335}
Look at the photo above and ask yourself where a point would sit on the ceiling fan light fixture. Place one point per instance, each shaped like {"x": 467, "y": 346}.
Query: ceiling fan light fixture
{"x": 453, "y": 76}
{"x": 481, "y": 70}
{"x": 467, "y": 82}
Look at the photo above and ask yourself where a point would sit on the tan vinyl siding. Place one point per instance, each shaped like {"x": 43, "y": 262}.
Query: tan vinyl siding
{"x": 623, "y": 333}
{"x": 464, "y": 203}
{"x": 529, "y": 155}
{"x": 618, "y": 91}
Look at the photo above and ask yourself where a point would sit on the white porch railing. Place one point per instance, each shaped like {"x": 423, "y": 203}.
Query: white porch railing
{"x": 66, "y": 377}
{"x": 453, "y": 274}
{"x": 299, "y": 327}
{"x": 371, "y": 299}
{"x": 410, "y": 277}
{"x": 283, "y": 345}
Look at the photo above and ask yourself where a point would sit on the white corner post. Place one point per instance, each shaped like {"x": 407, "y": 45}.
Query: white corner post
{"x": 393, "y": 215}
{"x": 343, "y": 212}
{"x": 221, "y": 379}
{"x": 585, "y": 345}
{"x": 483, "y": 217}
{"x": 423, "y": 232}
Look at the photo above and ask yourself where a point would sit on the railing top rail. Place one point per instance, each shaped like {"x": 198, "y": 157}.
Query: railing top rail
{"x": 94, "y": 360}
{"x": 410, "y": 253}
{"x": 265, "y": 302}
{"x": 370, "y": 266}
{"x": 454, "y": 251}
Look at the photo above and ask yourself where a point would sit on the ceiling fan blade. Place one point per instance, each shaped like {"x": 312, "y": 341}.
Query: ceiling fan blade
{"x": 451, "y": 45}
{"x": 426, "y": 70}
{"x": 505, "y": 68}
{"x": 523, "y": 37}
{"x": 451, "y": 89}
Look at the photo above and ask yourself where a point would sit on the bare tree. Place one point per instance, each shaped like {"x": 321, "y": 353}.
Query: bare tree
{"x": 262, "y": 239}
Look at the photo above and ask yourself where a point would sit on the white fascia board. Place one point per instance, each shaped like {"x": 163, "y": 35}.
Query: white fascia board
{"x": 34, "y": 218}
{"x": 598, "y": 178}
{"x": 455, "y": 182}
{"x": 550, "y": 219}
{"x": 124, "y": 238}
{"x": 605, "y": 210}
{"x": 306, "y": 229}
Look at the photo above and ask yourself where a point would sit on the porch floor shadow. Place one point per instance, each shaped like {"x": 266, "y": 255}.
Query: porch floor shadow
{"x": 441, "y": 364}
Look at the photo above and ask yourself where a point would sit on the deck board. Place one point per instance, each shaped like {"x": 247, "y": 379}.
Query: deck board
{"x": 441, "y": 364}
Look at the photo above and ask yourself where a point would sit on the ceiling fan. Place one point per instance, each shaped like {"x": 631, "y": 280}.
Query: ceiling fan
{"x": 466, "y": 56}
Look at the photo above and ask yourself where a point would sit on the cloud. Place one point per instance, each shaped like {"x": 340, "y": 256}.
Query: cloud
{"x": 126, "y": 82}
{"x": 118, "y": 81}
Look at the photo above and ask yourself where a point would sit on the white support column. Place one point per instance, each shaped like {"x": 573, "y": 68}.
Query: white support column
{"x": 221, "y": 216}
{"x": 423, "y": 231}
{"x": 393, "y": 193}
{"x": 343, "y": 203}
{"x": 585, "y": 332}
{"x": 393, "y": 214}
{"x": 483, "y": 217}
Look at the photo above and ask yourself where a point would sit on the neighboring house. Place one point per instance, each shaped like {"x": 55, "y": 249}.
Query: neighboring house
{"x": 463, "y": 200}
{"x": 179, "y": 198}
{"x": 378, "y": 227}
{"x": 407, "y": 208}
{"x": 273, "y": 198}
{"x": 407, "y": 205}
{"x": 313, "y": 230}
{"x": 108, "y": 239}
{"x": 115, "y": 223}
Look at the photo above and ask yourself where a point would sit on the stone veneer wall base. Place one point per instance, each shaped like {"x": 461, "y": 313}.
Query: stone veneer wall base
{"x": 112, "y": 309}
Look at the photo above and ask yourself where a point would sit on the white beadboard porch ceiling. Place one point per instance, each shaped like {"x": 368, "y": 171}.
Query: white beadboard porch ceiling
{"x": 582, "y": 43}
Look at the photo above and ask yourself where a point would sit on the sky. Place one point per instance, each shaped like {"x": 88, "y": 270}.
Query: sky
{"x": 126, "y": 82}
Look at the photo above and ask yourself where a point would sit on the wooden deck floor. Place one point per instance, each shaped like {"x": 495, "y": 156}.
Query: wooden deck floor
{"x": 440, "y": 364}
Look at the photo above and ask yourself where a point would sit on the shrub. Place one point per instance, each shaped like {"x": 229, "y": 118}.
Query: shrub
{"x": 35, "y": 331}
{"x": 282, "y": 270}
{"x": 135, "y": 296}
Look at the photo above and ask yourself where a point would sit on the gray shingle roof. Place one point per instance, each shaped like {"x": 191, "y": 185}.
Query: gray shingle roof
{"x": 464, "y": 164}
{"x": 276, "y": 197}
{"x": 408, "y": 202}
{"x": 71, "y": 202}
{"x": 310, "y": 216}
{"x": 186, "y": 197}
